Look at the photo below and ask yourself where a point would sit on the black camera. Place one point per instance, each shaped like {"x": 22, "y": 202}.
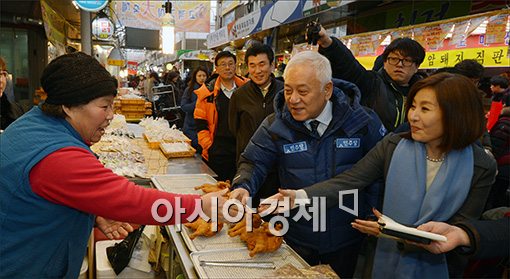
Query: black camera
{"x": 312, "y": 32}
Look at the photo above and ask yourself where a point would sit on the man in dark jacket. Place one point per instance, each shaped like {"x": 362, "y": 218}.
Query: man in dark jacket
{"x": 383, "y": 90}
{"x": 252, "y": 102}
{"x": 318, "y": 130}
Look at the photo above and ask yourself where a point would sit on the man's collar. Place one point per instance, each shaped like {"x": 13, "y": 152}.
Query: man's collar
{"x": 266, "y": 88}
{"x": 325, "y": 116}
{"x": 223, "y": 88}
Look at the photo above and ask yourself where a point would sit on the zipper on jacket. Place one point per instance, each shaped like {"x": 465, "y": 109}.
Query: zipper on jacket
{"x": 400, "y": 109}
{"x": 333, "y": 166}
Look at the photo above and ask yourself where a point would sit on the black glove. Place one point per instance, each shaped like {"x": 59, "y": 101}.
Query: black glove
{"x": 120, "y": 254}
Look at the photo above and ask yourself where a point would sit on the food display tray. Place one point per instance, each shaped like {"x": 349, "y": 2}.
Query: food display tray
{"x": 284, "y": 255}
{"x": 219, "y": 241}
{"x": 181, "y": 183}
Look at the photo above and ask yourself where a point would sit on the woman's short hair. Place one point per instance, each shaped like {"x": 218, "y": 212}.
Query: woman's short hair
{"x": 314, "y": 60}
{"x": 461, "y": 106}
{"x": 57, "y": 110}
{"x": 53, "y": 110}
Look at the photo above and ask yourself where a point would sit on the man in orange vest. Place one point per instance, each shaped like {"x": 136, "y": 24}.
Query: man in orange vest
{"x": 211, "y": 117}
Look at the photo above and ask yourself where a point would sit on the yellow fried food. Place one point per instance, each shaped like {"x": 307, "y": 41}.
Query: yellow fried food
{"x": 240, "y": 227}
{"x": 260, "y": 240}
{"x": 218, "y": 186}
{"x": 201, "y": 227}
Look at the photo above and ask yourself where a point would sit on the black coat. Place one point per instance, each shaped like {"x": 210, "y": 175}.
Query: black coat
{"x": 247, "y": 108}
{"x": 489, "y": 238}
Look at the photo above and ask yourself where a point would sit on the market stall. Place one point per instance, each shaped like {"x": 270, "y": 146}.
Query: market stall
{"x": 137, "y": 151}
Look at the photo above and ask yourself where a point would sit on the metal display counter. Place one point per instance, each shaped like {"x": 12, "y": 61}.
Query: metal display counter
{"x": 179, "y": 255}
{"x": 190, "y": 165}
{"x": 188, "y": 255}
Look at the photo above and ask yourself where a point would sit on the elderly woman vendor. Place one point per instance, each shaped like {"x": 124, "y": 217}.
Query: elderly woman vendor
{"x": 52, "y": 186}
{"x": 434, "y": 173}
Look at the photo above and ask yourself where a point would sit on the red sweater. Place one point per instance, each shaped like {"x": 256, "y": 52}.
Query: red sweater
{"x": 73, "y": 177}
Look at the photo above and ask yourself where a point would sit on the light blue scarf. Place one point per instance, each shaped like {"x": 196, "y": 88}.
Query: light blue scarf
{"x": 407, "y": 201}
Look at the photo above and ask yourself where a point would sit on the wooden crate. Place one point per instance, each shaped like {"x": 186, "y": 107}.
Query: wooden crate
{"x": 132, "y": 108}
{"x": 190, "y": 153}
{"x": 133, "y": 116}
{"x": 152, "y": 144}
{"x": 132, "y": 102}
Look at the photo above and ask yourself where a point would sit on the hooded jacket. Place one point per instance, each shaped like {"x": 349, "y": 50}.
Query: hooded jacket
{"x": 206, "y": 112}
{"x": 303, "y": 159}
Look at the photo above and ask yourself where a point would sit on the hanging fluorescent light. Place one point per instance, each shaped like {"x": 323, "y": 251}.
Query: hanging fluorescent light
{"x": 168, "y": 30}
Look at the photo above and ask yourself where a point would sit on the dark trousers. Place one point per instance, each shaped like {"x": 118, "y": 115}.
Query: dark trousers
{"x": 223, "y": 165}
{"x": 343, "y": 261}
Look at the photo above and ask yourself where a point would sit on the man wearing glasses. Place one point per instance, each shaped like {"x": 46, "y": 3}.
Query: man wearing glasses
{"x": 383, "y": 90}
{"x": 211, "y": 117}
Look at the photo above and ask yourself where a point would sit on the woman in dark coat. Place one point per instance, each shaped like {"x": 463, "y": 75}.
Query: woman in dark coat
{"x": 189, "y": 99}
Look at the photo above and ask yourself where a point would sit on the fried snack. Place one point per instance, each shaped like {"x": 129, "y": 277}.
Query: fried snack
{"x": 218, "y": 186}
{"x": 262, "y": 240}
{"x": 240, "y": 227}
{"x": 201, "y": 227}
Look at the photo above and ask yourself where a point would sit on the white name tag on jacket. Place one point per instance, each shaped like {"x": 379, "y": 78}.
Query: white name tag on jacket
{"x": 295, "y": 147}
{"x": 348, "y": 142}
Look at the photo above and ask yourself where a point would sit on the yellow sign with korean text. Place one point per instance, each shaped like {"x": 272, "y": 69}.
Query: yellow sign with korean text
{"x": 487, "y": 56}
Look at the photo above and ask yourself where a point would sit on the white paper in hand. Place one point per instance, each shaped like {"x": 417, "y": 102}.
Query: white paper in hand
{"x": 390, "y": 227}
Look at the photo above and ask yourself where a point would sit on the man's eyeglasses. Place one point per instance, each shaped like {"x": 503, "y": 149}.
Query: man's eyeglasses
{"x": 406, "y": 62}
{"x": 225, "y": 65}
{"x": 4, "y": 74}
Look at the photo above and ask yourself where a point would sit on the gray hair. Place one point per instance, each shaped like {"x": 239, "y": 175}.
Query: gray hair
{"x": 316, "y": 61}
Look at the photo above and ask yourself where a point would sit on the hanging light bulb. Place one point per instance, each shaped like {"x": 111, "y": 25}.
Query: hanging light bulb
{"x": 168, "y": 29}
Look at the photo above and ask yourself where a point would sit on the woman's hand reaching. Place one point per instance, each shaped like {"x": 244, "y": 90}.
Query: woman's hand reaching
{"x": 366, "y": 226}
